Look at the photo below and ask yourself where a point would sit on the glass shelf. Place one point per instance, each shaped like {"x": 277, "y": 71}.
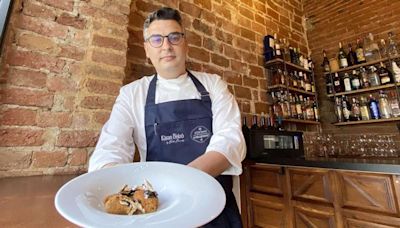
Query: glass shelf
{"x": 301, "y": 121}
{"x": 367, "y": 121}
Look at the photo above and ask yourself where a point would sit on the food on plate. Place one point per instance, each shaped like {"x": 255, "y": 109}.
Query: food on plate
{"x": 128, "y": 201}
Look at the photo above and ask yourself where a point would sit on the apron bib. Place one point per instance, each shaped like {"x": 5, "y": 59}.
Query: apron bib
{"x": 179, "y": 132}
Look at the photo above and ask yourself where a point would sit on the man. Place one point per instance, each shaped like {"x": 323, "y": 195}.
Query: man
{"x": 176, "y": 115}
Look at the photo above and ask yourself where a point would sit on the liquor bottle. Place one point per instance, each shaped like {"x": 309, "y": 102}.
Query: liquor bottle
{"x": 285, "y": 111}
{"x": 301, "y": 80}
{"x": 384, "y": 107}
{"x": 310, "y": 63}
{"x": 263, "y": 122}
{"x": 313, "y": 90}
{"x": 384, "y": 75}
{"x": 286, "y": 52}
{"x": 293, "y": 109}
{"x": 383, "y": 49}
{"x": 364, "y": 78}
{"x": 342, "y": 58}
{"x": 307, "y": 83}
{"x": 355, "y": 110}
{"x": 292, "y": 55}
{"x": 245, "y": 128}
{"x": 392, "y": 45}
{"x": 360, "y": 52}
{"x": 299, "y": 109}
{"x": 396, "y": 72}
{"x": 316, "y": 112}
{"x": 309, "y": 109}
{"x": 371, "y": 48}
{"x": 278, "y": 52}
{"x": 373, "y": 108}
{"x": 373, "y": 77}
{"x": 254, "y": 122}
{"x": 347, "y": 82}
{"x": 269, "y": 45}
{"x": 295, "y": 80}
{"x": 364, "y": 109}
{"x": 276, "y": 77}
{"x": 337, "y": 83}
{"x": 346, "y": 108}
{"x": 338, "y": 109}
{"x": 325, "y": 62}
{"x": 351, "y": 56}
{"x": 329, "y": 84}
{"x": 277, "y": 107}
{"x": 394, "y": 104}
{"x": 355, "y": 81}
{"x": 271, "y": 120}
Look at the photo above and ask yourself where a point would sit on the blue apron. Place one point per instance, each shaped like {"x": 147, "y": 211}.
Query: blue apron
{"x": 179, "y": 132}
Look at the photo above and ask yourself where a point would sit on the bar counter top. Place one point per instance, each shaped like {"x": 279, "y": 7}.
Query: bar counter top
{"x": 29, "y": 201}
{"x": 381, "y": 165}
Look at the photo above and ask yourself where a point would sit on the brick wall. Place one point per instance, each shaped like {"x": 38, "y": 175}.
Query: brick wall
{"x": 64, "y": 61}
{"x": 329, "y": 22}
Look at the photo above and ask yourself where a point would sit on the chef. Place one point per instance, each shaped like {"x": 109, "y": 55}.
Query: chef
{"x": 176, "y": 115}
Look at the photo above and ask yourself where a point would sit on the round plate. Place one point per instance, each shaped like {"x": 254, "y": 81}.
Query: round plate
{"x": 188, "y": 197}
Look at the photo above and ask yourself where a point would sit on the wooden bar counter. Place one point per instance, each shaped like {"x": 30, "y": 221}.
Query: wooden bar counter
{"x": 29, "y": 201}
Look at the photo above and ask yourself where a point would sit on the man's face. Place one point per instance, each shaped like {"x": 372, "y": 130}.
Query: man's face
{"x": 168, "y": 59}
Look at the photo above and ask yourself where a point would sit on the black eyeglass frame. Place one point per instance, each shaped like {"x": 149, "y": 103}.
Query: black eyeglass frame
{"x": 168, "y": 38}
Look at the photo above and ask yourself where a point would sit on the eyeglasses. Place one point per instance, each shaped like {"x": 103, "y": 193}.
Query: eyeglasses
{"x": 157, "y": 41}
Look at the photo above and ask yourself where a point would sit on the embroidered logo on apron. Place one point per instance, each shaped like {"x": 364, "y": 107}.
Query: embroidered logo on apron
{"x": 200, "y": 134}
{"x": 173, "y": 138}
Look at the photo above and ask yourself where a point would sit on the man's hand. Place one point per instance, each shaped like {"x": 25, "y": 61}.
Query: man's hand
{"x": 213, "y": 163}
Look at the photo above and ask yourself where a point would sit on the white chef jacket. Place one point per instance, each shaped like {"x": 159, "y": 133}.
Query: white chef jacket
{"x": 126, "y": 123}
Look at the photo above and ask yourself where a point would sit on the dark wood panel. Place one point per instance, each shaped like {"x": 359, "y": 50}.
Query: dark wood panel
{"x": 267, "y": 211}
{"x": 353, "y": 218}
{"x": 313, "y": 216}
{"x": 310, "y": 184}
{"x": 266, "y": 179}
{"x": 370, "y": 192}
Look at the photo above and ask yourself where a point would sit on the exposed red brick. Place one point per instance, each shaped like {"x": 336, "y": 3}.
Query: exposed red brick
{"x": 21, "y": 137}
{"x": 103, "y": 72}
{"x": 61, "y": 84}
{"x": 35, "y": 61}
{"x": 54, "y": 119}
{"x": 81, "y": 120}
{"x": 202, "y": 27}
{"x": 206, "y": 4}
{"x": 109, "y": 58}
{"x": 35, "y": 10}
{"x": 77, "y": 139}
{"x": 101, "y": 117}
{"x": 37, "y": 43}
{"x": 241, "y": 92}
{"x": 65, "y": 4}
{"x": 199, "y": 54}
{"x": 260, "y": 107}
{"x": 72, "y": 52}
{"x": 103, "y": 87}
{"x": 250, "y": 82}
{"x": 46, "y": 28}
{"x": 212, "y": 70}
{"x": 42, "y": 159}
{"x": 27, "y": 78}
{"x": 71, "y": 20}
{"x": 146, "y": 7}
{"x": 232, "y": 77}
{"x": 87, "y": 10}
{"x": 95, "y": 102}
{"x": 10, "y": 159}
{"x": 257, "y": 71}
{"x": 107, "y": 42}
{"x": 27, "y": 97}
{"x": 136, "y": 52}
{"x": 18, "y": 116}
{"x": 136, "y": 20}
{"x": 193, "y": 38}
{"x": 219, "y": 60}
{"x": 190, "y": 9}
{"x": 78, "y": 157}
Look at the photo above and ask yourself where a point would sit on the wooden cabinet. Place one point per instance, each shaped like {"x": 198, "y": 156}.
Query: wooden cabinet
{"x": 277, "y": 196}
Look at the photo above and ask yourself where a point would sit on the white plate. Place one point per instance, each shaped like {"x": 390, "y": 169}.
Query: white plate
{"x": 187, "y": 197}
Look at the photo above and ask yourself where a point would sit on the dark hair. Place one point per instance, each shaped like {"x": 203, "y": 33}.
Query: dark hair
{"x": 164, "y": 13}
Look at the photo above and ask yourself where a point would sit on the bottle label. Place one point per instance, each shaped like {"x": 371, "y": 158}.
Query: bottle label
{"x": 364, "y": 113}
{"x": 308, "y": 87}
{"x": 346, "y": 113}
{"x": 385, "y": 78}
{"x": 356, "y": 83}
{"x": 278, "y": 51}
{"x": 374, "y": 110}
{"x": 360, "y": 55}
{"x": 347, "y": 85}
{"x": 343, "y": 62}
{"x": 298, "y": 109}
{"x": 337, "y": 83}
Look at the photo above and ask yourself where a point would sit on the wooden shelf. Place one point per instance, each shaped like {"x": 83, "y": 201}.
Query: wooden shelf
{"x": 362, "y": 65}
{"x": 275, "y": 87}
{"x": 367, "y": 121}
{"x": 358, "y": 91}
{"x": 281, "y": 61}
{"x": 301, "y": 121}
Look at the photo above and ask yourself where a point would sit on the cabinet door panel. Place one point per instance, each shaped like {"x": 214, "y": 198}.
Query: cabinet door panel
{"x": 267, "y": 211}
{"x": 266, "y": 179}
{"x": 310, "y": 184}
{"x": 313, "y": 216}
{"x": 368, "y": 192}
{"x": 354, "y": 218}
{"x": 354, "y": 223}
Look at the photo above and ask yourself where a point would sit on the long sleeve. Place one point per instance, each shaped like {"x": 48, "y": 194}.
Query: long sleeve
{"x": 227, "y": 134}
{"x": 116, "y": 139}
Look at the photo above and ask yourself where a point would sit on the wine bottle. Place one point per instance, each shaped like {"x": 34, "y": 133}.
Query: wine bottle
{"x": 342, "y": 57}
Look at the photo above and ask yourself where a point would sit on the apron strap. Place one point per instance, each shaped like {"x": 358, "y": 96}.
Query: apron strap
{"x": 151, "y": 95}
